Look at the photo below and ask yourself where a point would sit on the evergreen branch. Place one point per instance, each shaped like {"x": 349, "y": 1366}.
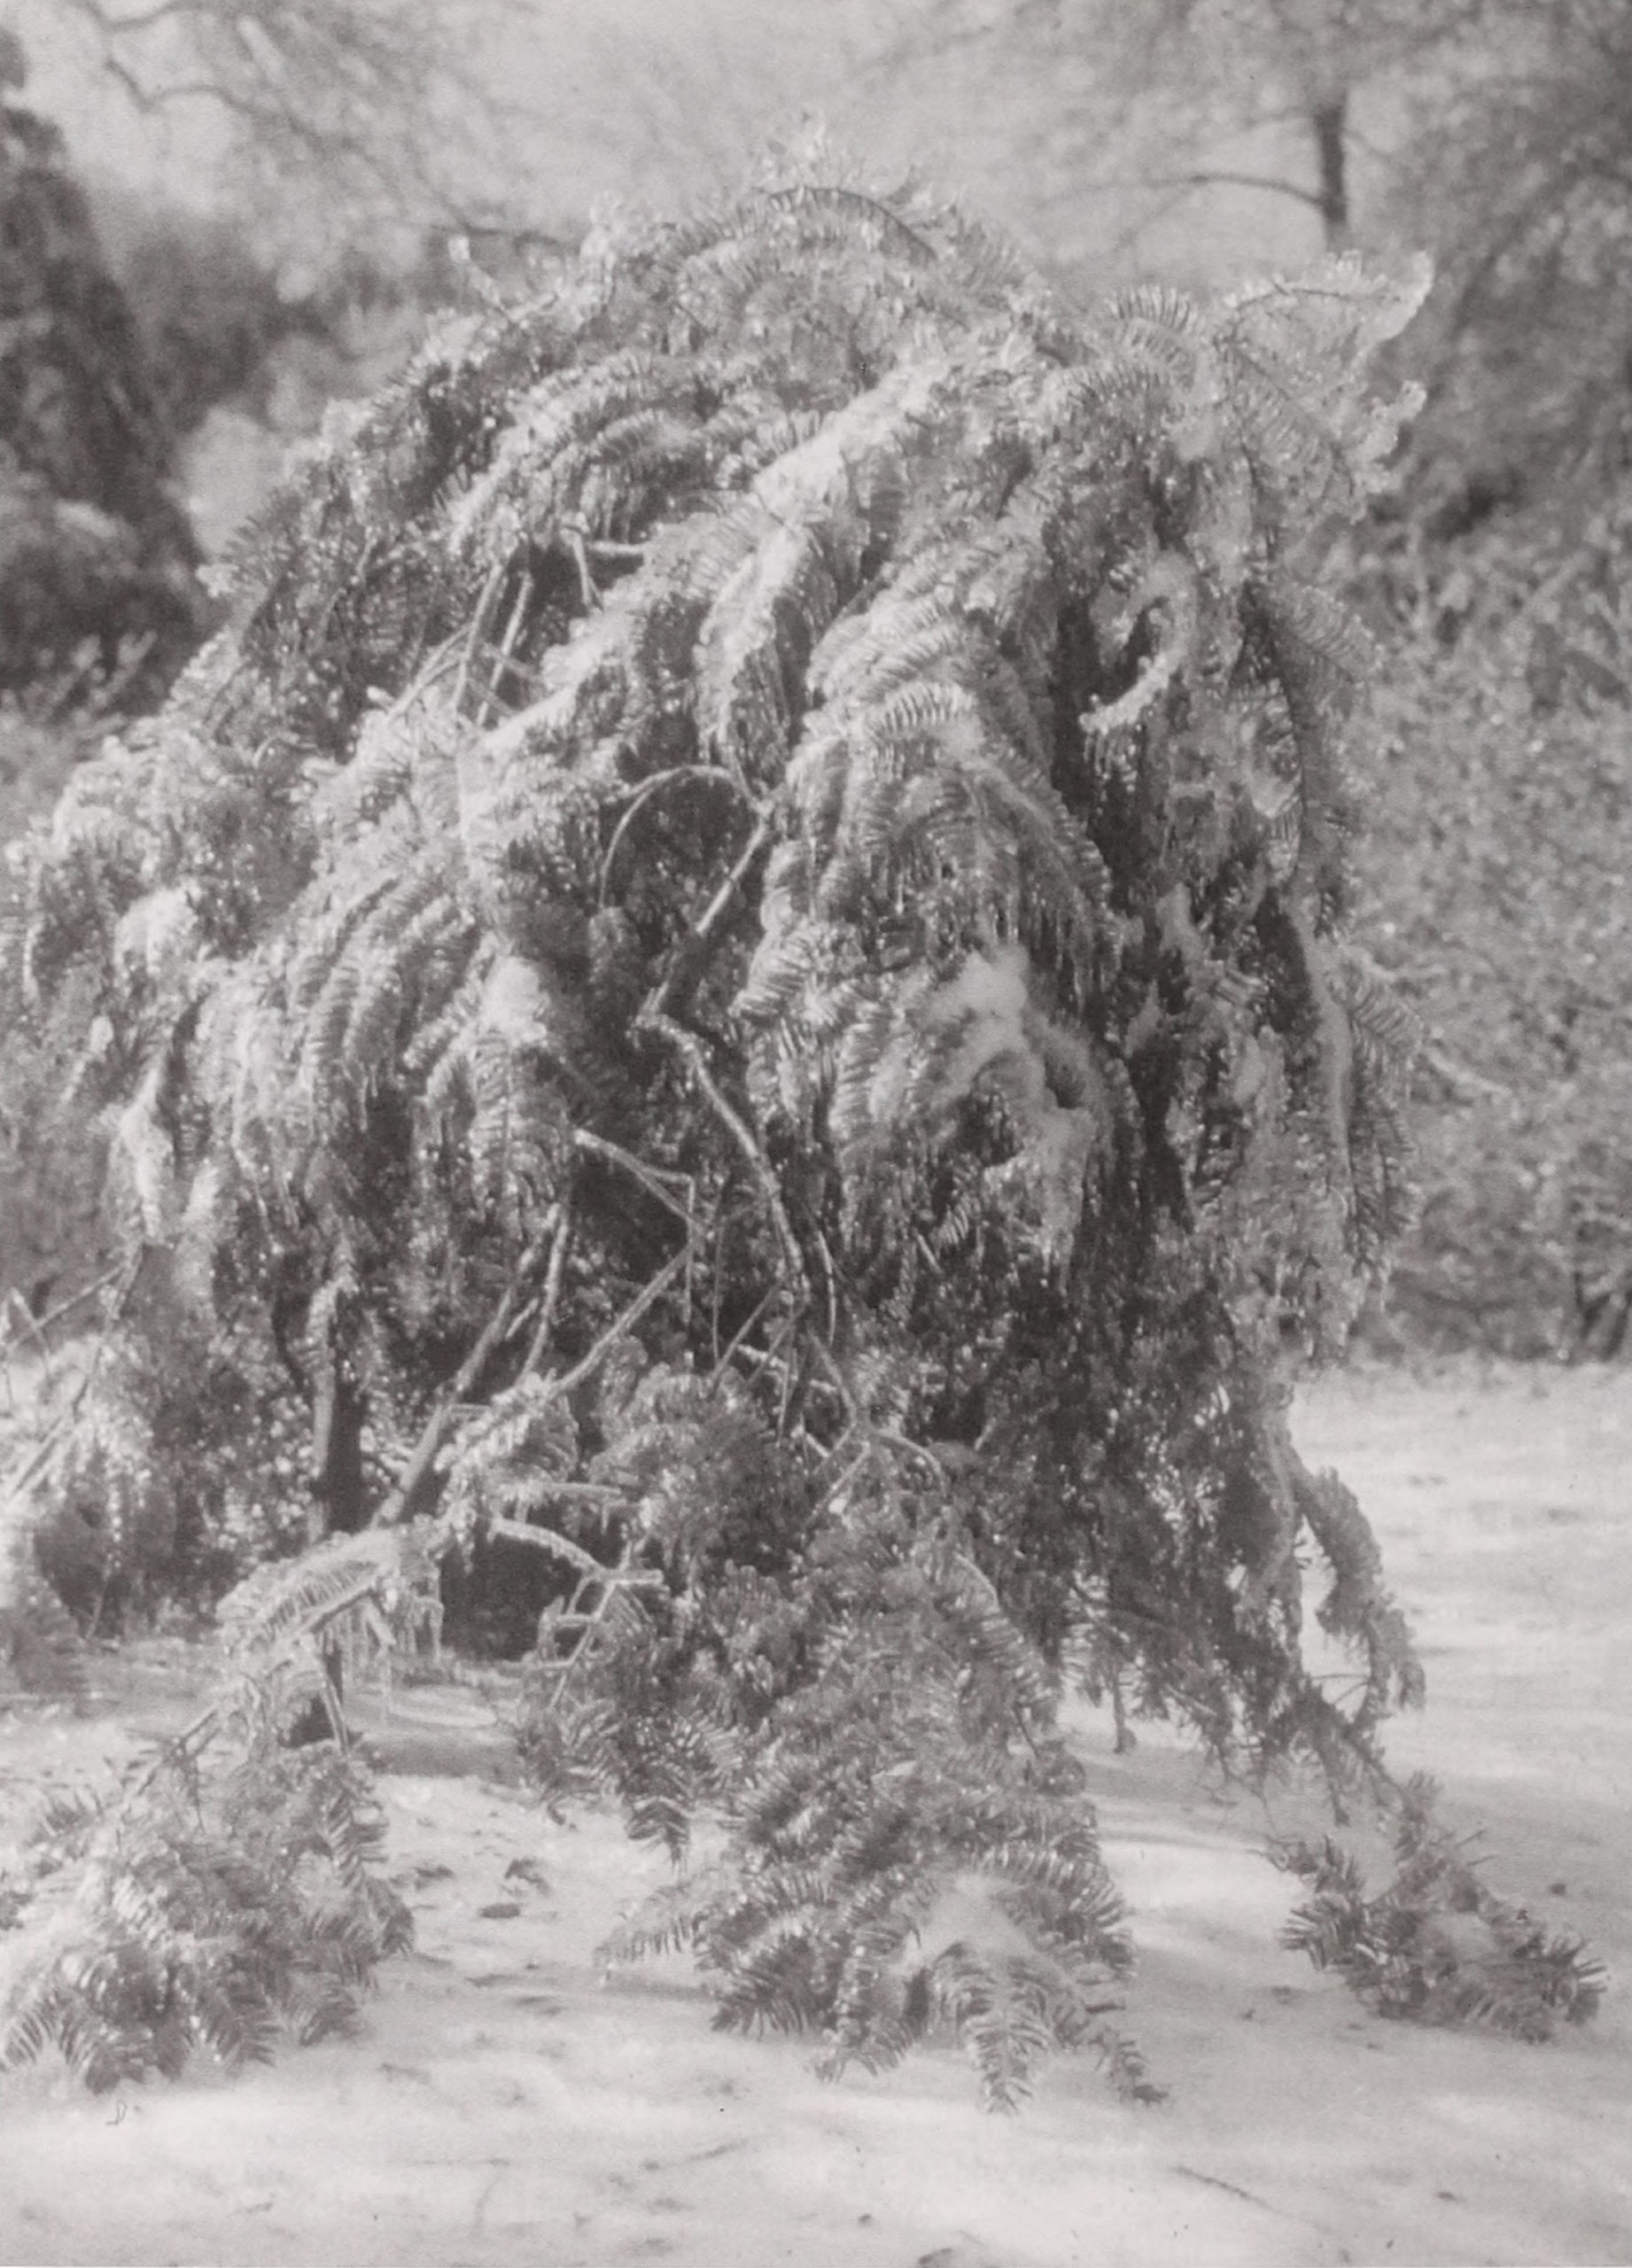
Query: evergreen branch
{"x": 1436, "y": 1945}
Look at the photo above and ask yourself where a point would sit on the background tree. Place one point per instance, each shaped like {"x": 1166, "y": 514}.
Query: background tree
{"x": 1517, "y": 172}
{"x": 93, "y": 548}
{"x": 343, "y": 122}
{"x": 1501, "y": 844}
{"x": 1155, "y": 109}
{"x": 99, "y": 603}
{"x": 1495, "y": 890}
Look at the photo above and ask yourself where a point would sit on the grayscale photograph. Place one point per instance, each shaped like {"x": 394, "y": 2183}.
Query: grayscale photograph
{"x": 815, "y": 1133}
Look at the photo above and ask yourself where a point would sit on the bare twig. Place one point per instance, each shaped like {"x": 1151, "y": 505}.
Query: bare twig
{"x": 647, "y": 1297}
{"x": 15, "y": 1484}
{"x": 34, "y": 1465}
{"x": 586, "y": 1624}
{"x": 571, "y": 539}
{"x": 714, "y": 775}
{"x": 581, "y": 1492}
{"x": 65, "y": 1307}
{"x": 690, "y": 1046}
{"x": 658, "y": 1180}
{"x": 835, "y": 1380}
{"x": 396, "y": 1505}
{"x": 480, "y": 621}
{"x": 182, "y": 1747}
{"x": 24, "y": 1324}
{"x": 1272, "y": 183}
{"x": 831, "y": 1274}
{"x": 692, "y": 949}
{"x": 550, "y": 1540}
{"x": 555, "y": 1276}
{"x": 506, "y": 646}
{"x": 723, "y": 1361}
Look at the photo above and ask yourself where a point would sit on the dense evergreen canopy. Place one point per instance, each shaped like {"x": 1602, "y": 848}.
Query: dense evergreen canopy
{"x": 731, "y": 980}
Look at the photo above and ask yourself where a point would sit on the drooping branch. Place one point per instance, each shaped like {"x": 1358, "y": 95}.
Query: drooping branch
{"x": 1220, "y": 177}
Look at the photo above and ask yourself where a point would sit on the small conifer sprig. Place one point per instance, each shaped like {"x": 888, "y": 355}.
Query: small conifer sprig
{"x": 203, "y": 1912}
{"x": 1436, "y": 1945}
{"x": 230, "y": 1886}
{"x": 907, "y": 1849}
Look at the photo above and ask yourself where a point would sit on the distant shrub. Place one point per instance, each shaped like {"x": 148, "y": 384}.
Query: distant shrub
{"x": 200, "y": 1913}
{"x": 1495, "y": 888}
{"x": 92, "y": 547}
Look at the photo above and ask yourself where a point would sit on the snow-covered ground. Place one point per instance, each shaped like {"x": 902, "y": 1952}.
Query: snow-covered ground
{"x": 503, "y": 2105}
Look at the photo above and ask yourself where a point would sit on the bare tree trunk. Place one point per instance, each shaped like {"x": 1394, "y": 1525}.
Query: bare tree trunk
{"x": 337, "y": 1479}
{"x": 1331, "y": 124}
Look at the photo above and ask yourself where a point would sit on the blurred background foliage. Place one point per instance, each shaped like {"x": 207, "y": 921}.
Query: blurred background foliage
{"x": 217, "y": 216}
